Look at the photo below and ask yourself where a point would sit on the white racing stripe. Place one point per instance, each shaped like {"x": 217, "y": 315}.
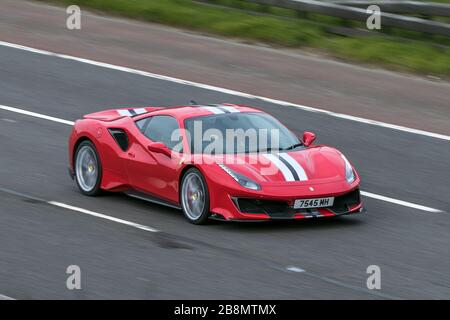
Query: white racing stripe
{"x": 281, "y": 166}
{"x": 229, "y": 108}
{"x": 3, "y": 297}
{"x": 140, "y": 111}
{"x": 286, "y": 172}
{"x": 291, "y": 170}
{"x": 214, "y": 110}
{"x": 129, "y": 112}
{"x": 297, "y": 167}
{"x": 103, "y": 216}
{"x": 124, "y": 113}
{"x": 228, "y": 91}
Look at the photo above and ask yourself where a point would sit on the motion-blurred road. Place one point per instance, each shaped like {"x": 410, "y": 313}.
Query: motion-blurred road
{"x": 221, "y": 260}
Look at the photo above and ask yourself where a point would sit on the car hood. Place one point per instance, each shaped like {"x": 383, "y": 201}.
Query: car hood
{"x": 316, "y": 164}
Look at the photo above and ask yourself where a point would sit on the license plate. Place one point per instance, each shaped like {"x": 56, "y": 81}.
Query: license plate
{"x": 313, "y": 203}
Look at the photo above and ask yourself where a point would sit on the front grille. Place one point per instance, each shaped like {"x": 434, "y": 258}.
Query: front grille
{"x": 281, "y": 209}
{"x": 275, "y": 209}
{"x": 343, "y": 203}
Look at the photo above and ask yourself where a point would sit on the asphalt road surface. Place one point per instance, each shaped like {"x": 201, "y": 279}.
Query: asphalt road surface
{"x": 312, "y": 259}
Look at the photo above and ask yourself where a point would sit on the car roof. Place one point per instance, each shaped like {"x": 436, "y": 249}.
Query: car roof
{"x": 191, "y": 111}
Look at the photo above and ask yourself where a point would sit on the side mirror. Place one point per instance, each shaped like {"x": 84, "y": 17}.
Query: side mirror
{"x": 159, "y": 147}
{"x": 308, "y": 138}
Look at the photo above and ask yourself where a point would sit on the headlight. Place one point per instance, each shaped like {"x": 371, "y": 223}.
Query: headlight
{"x": 242, "y": 180}
{"x": 349, "y": 173}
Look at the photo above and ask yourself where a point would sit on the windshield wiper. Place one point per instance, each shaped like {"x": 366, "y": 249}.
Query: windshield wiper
{"x": 268, "y": 150}
{"x": 280, "y": 149}
{"x": 293, "y": 146}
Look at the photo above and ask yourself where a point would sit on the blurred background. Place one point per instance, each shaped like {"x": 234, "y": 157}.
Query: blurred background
{"x": 414, "y": 35}
{"x": 380, "y": 96}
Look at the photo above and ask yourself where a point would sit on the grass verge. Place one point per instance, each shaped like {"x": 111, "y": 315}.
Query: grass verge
{"x": 417, "y": 56}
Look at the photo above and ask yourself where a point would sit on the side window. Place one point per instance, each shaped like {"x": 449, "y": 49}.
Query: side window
{"x": 161, "y": 129}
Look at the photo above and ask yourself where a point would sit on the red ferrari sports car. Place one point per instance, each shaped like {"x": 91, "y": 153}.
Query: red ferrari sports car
{"x": 226, "y": 162}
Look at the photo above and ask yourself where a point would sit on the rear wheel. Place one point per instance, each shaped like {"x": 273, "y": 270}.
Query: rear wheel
{"x": 88, "y": 169}
{"x": 195, "y": 197}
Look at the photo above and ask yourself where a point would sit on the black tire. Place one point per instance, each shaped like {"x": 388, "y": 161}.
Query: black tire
{"x": 95, "y": 189}
{"x": 203, "y": 218}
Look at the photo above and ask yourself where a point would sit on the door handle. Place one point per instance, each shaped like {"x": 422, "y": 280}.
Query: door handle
{"x": 131, "y": 155}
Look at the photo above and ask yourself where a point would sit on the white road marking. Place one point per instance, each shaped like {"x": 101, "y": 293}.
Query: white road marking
{"x": 356, "y": 288}
{"x": 286, "y": 172}
{"x": 36, "y": 115}
{"x": 294, "y": 269}
{"x": 9, "y": 120}
{"x": 139, "y": 226}
{"x": 339, "y": 283}
{"x": 228, "y": 91}
{"x": 3, "y": 297}
{"x": 103, "y": 216}
{"x": 81, "y": 210}
{"x": 399, "y": 202}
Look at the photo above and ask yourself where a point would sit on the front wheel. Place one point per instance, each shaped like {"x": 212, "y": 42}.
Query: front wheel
{"x": 195, "y": 197}
{"x": 88, "y": 169}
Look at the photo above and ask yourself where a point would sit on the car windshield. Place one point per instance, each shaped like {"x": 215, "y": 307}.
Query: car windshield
{"x": 238, "y": 133}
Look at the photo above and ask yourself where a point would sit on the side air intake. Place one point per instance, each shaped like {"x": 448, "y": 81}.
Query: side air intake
{"x": 121, "y": 138}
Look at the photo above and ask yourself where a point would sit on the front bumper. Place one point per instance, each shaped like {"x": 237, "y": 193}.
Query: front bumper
{"x": 242, "y": 207}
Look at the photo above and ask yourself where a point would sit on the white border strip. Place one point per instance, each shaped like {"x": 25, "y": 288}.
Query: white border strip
{"x": 286, "y": 173}
{"x": 228, "y": 91}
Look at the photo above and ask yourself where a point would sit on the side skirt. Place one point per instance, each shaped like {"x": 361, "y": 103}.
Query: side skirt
{"x": 150, "y": 198}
